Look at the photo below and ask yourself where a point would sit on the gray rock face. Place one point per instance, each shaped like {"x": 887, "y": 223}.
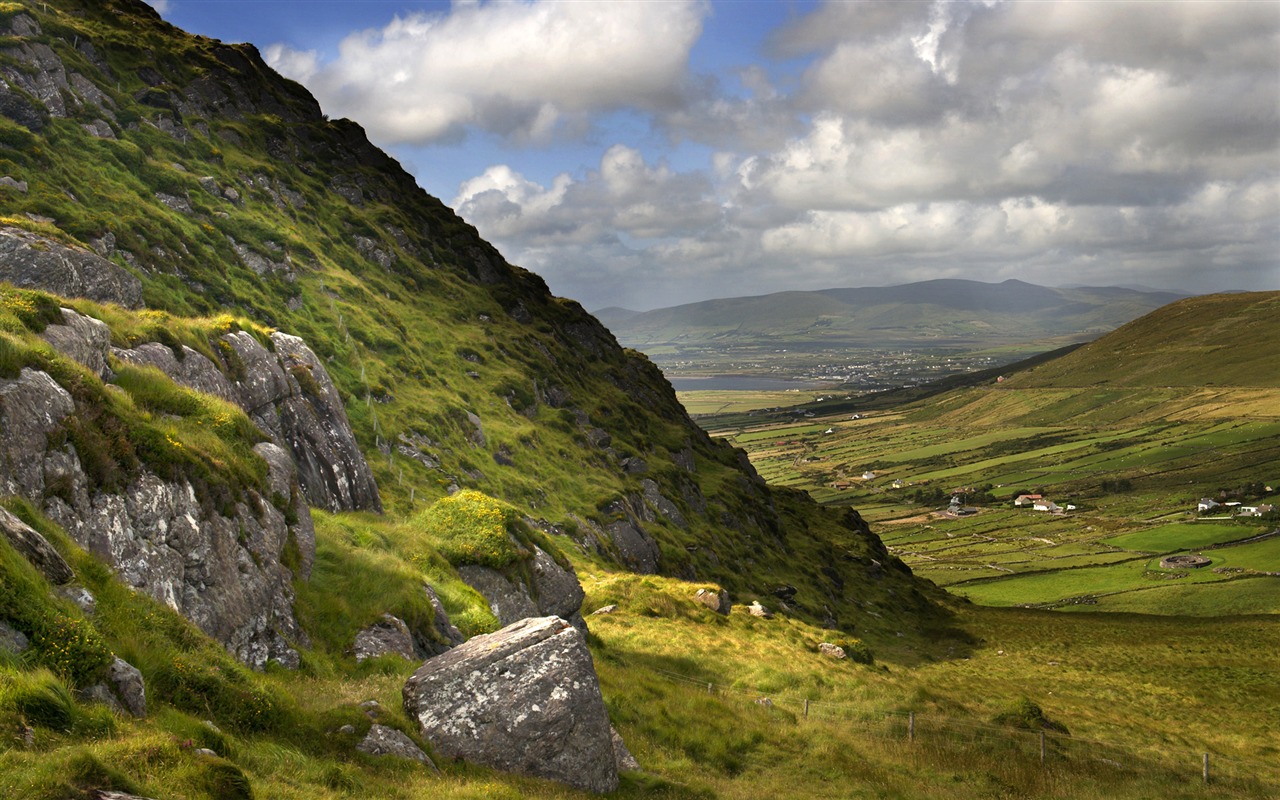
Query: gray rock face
{"x": 384, "y": 741}
{"x": 37, "y": 262}
{"x": 443, "y": 626}
{"x": 638, "y": 551}
{"x": 508, "y": 601}
{"x": 193, "y": 370}
{"x": 555, "y": 591}
{"x": 83, "y": 339}
{"x": 220, "y": 568}
{"x": 291, "y": 397}
{"x": 654, "y": 498}
{"x": 525, "y": 699}
{"x": 35, "y": 548}
{"x": 389, "y": 635}
{"x": 12, "y": 641}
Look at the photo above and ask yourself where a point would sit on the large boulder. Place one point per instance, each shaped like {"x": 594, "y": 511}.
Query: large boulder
{"x": 33, "y": 261}
{"x": 525, "y": 699}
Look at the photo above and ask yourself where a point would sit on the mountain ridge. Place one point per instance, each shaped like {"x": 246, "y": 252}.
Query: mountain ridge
{"x": 922, "y": 312}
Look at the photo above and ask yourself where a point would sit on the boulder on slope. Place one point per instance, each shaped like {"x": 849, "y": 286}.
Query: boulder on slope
{"x": 525, "y": 699}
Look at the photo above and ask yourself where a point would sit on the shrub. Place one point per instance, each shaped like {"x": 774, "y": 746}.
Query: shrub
{"x": 1026, "y": 715}
{"x": 473, "y": 528}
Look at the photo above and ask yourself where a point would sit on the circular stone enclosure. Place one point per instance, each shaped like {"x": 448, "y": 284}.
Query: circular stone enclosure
{"x": 1184, "y": 562}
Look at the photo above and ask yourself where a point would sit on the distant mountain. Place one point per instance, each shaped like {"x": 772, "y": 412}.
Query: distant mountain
{"x": 929, "y": 313}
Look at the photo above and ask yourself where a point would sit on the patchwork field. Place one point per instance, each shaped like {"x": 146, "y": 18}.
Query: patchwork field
{"x": 1126, "y": 465}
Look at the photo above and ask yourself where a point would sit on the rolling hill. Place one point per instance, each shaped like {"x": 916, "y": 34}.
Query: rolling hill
{"x": 938, "y": 313}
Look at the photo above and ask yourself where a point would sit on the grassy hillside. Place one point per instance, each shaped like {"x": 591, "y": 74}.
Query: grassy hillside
{"x": 226, "y": 191}
{"x": 1215, "y": 340}
{"x": 236, "y": 203}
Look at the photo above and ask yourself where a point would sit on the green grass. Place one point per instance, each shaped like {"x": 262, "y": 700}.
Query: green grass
{"x": 1182, "y": 536}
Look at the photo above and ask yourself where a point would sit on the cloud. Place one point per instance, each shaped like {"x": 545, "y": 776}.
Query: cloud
{"x": 1056, "y": 142}
{"x": 527, "y": 71}
{"x": 161, "y": 6}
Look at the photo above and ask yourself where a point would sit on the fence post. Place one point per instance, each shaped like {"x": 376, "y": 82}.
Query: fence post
{"x": 1206, "y": 767}
{"x": 1042, "y": 748}
{"x": 806, "y": 708}
{"x": 708, "y": 688}
{"x": 911, "y": 726}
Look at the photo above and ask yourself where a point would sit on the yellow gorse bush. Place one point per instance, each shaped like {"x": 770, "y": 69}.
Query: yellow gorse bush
{"x": 472, "y": 528}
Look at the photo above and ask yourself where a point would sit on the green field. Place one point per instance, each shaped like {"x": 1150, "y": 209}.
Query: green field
{"x": 1132, "y": 460}
{"x": 1180, "y": 536}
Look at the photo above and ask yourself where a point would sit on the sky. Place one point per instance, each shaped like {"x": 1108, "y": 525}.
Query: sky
{"x": 648, "y": 153}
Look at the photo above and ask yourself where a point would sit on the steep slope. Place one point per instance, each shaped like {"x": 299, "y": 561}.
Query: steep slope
{"x": 218, "y": 186}
{"x": 926, "y": 313}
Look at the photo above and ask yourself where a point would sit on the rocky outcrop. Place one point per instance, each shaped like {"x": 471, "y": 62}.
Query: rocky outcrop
{"x": 388, "y": 636}
{"x": 444, "y": 627}
{"x": 221, "y": 568}
{"x": 291, "y": 397}
{"x": 85, "y": 340}
{"x": 637, "y": 549}
{"x": 555, "y": 591}
{"x": 12, "y": 641}
{"x": 35, "y": 548}
{"x": 122, "y": 690}
{"x": 32, "y": 261}
{"x": 525, "y": 699}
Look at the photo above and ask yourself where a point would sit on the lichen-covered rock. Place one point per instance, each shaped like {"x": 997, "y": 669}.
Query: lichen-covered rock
{"x": 193, "y": 370}
{"x": 290, "y": 396}
{"x": 38, "y": 262}
{"x": 832, "y": 650}
{"x": 84, "y": 340}
{"x": 35, "y": 548}
{"x": 555, "y": 591}
{"x": 384, "y": 741}
{"x": 123, "y": 690}
{"x": 654, "y": 498}
{"x": 388, "y": 636}
{"x": 221, "y": 568}
{"x": 716, "y": 601}
{"x": 524, "y": 699}
{"x": 509, "y": 601}
{"x": 282, "y": 476}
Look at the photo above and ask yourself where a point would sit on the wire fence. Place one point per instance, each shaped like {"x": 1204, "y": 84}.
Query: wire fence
{"x": 1051, "y": 749}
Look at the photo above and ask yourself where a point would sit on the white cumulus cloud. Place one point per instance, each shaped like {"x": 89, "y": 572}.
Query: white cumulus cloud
{"x": 526, "y": 71}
